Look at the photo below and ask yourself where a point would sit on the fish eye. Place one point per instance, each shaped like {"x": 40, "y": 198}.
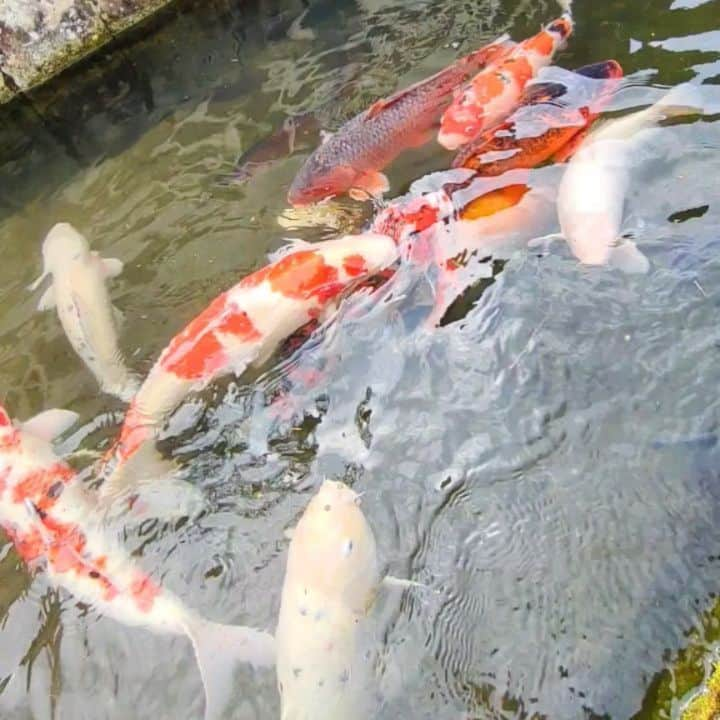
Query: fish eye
{"x": 347, "y": 547}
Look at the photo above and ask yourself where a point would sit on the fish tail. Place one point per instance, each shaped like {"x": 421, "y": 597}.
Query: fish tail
{"x": 685, "y": 99}
{"x": 218, "y": 650}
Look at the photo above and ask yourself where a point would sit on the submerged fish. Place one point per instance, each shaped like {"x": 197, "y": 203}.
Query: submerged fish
{"x": 282, "y": 143}
{"x": 352, "y": 159}
{"x": 591, "y": 197}
{"x": 243, "y": 326}
{"x": 551, "y": 115}
{"x": 456, "y": 221}
{"x": 53, "y": 525}
{"x": 83, "y": 305}
{"x": 330, "y": 585}
{"x": 495, "y": 91}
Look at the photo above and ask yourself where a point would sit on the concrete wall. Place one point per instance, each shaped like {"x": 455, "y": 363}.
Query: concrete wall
{"x": 40, "y": 38}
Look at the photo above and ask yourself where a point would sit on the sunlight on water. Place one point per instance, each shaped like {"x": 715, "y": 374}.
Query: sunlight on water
{"x": 545, "y": 464}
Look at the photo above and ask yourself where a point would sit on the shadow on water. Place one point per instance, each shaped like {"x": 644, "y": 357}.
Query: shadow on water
{"x": 539, "y": 462}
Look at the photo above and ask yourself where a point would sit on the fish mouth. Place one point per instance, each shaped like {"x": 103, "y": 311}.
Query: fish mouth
{"x": 562, "y": 26}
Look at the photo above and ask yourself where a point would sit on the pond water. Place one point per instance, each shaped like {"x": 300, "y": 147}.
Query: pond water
{"x": 546, "y": 464}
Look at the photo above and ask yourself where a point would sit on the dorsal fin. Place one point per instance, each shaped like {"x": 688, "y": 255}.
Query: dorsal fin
{"x": 494, "y": 51}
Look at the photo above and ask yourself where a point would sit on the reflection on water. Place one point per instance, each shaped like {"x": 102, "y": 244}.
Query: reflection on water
{"x": 543, "y": 464}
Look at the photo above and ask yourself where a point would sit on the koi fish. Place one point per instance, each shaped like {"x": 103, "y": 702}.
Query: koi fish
{"x": 282, "y": 143}
{"x": 551, "y": 114}
{"x": 243, "y": 326}
{"x": 330, "y": 584}
{"x": 351, "y": 160}
{"x": 49, "y": 518}
{"x": 591, "y": 197}
{"x": 83, "y": 305}
{"x": 495, "y": 91}
{"x": 455, "y": 221}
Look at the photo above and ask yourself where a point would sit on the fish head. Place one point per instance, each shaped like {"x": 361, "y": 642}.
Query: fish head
{"x": 604, "y": 70}
{"x": 63, "y": 245}
{"x": 318, "y": 181}
{"x": 333, "y": 547}
{"x": 561, "y": 28}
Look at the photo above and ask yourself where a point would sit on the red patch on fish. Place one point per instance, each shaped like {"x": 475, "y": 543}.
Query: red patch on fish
{"x": 10, "y": 441}
{"x": 254, "y": 279}
{"x": 197, "y": 351}
{"x": 354, "y": 265}
{"x": 28, "y": 545}
{"x": 304, "y": 275}
{"x": 144, "y": 592}
{"x": 41, "y": 486}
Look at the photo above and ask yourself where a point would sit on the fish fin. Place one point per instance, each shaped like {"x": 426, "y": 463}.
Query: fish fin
{"x": 542, "y": 244}
{"x": 218, "y": 650}
{"x": 390, "y": 581}
{"x": 112, "y": 267}
{"x": 49, "y": 424}
{"x": 47, "y": 299}
{"x": 325, "y": 135}
{"x": 490, "y": 53}
{"x": 146, "y": 486}
{"x": 126, "y": 390}
{"x": 35, "y": 284}
{"x": 372, "y": 183}
{"x": 293, "y": 245}
{"x": 118, "y": 316}
{"x": 626, "y": 257}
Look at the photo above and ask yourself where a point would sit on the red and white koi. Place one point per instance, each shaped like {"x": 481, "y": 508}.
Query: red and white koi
{"x": 53, "y": 525}
{"x": 330, "y": 584}
{"x": 591, "y": 197}
{"x": 351, "y": 160}
{"x": 244, "y": 326}
{"x": 495, "y": 91}
{"x": 83, "y": 305}
{"x": 461, "y": 220}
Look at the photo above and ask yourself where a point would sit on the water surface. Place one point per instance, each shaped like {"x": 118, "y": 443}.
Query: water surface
{"x": 546, "y": 464}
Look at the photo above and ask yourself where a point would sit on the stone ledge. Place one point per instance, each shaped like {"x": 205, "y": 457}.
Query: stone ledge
{"x": 40, "y": 38}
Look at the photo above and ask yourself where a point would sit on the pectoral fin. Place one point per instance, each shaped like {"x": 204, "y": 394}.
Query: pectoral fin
{"x": 628, "y": 258}
{"x": 47, "y": 299}
{"x": 49, "y": 424}
{"x": 112, "y": 267}
{"x": 390, "y": 581}
{"x": 371, "y": 183}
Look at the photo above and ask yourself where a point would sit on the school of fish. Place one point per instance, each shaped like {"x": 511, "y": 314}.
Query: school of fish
{"x": 527, "y": 160}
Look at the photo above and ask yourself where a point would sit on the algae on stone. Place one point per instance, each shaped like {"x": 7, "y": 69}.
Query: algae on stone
{"x": 41, "y": 38}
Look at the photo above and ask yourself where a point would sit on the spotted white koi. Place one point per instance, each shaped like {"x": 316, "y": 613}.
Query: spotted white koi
{"x": 83, "y": 305}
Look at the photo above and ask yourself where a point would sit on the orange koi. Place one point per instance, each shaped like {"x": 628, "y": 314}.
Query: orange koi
{"x": 495, "y": 91}
{"x": 551, "y": 115}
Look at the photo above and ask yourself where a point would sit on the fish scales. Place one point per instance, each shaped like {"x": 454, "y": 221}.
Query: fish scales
{"x": 352, "y": 158}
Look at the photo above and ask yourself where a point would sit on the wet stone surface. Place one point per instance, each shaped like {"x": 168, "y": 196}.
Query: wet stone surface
{"x": 40, "y": 38}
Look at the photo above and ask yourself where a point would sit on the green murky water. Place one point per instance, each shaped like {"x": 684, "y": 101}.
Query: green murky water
{"x": 548, "y": 466}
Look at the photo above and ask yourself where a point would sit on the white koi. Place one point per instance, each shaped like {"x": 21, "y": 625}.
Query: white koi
{"x": 83, "y": 305}
{"x": 330, "y": 584}
{"x": 592, "y": 192}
